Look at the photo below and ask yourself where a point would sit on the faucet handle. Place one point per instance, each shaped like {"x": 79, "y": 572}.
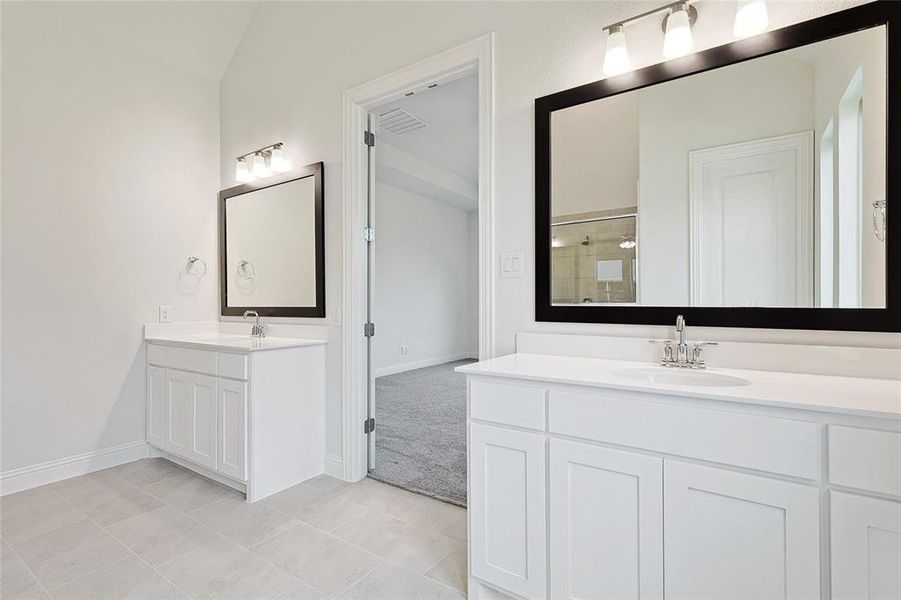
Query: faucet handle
{"x": 697, "y": 358}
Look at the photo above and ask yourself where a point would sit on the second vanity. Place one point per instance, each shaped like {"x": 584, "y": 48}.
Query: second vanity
{"x": 595, "y": 478}
{"x": 247, "y": 412}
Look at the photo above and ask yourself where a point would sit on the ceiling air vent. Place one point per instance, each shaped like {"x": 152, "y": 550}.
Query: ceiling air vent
{"x": 398, "y": 122}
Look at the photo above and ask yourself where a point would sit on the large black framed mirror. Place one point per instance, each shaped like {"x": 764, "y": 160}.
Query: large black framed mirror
{"x": 272, "y": 246}
{"x": 743, "y": 186}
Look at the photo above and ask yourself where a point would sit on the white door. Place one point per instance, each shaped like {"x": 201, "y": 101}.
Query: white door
{"x": 732, "y": 535}
{"x": 192, "y": 417}
{"x": 866, "y": 547}
{"x": 232, "y": 411}
{"x": 157, "y": 407}
{"x": 606, "y": 523}
{"x": 507, "y": 505}
{"x": 751, "y": 208}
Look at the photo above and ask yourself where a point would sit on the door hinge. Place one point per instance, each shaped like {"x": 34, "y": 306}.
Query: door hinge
{"x": 368, "y": 329}
{"x": 369, "y": 425}
{"x": 368, "y": 234}
{"x": 369, "y": 138}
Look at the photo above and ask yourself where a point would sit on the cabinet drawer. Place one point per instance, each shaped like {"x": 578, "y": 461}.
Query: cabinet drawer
{"x": 777, "y": 445}
{"x": 156, "y": 355}
{"x": 186, "y": 359}
{"x": 865, "y": 459}
{"x": 518, "y": 405}
{"x": 233, "y": 365}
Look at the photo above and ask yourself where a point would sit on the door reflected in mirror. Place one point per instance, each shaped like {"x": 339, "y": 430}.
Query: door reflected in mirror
{"x": 758, "y": 184}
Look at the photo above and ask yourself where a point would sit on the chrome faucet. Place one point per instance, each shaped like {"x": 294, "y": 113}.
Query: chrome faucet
{"x": 682, "y": 357}
{"x": 258, "y": 330}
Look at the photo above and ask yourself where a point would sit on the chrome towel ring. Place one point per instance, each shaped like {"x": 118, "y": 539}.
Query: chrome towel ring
{"x": 196, "y": 267}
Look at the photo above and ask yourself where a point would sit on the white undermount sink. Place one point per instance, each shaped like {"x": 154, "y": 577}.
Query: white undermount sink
{"x": 672, "y": 376}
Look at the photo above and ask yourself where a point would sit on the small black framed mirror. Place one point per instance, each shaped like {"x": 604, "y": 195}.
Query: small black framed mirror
{"x": 749, "y": 185}
{"x": 272, "y": 246}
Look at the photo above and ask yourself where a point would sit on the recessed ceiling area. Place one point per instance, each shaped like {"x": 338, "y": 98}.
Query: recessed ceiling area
{"x": 450, "y": 136}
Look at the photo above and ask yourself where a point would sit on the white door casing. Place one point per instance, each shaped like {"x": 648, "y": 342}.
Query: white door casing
{"x": 866, "y": 547}
{"x": 736, "y": 536}
{"x": 508, "y": 532}
{"x": 751, "y": 223}
{"x": 606, "y": 522}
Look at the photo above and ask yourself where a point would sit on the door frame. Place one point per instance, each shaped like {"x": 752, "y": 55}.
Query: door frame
{"x": 471, "y": 57}
{"x": 802, "y": 145}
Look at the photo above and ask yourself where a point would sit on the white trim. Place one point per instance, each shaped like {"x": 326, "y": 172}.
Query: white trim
{"x": 420, "y": 364}
{"x": 25, "y": 478}
{"x": 474, "y": 56}
{"x": 802, "y": 145}
{"x": 334, "y": 466}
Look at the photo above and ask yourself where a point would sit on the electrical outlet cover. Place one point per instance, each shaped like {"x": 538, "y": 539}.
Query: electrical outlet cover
{"x": 165, "y": 314}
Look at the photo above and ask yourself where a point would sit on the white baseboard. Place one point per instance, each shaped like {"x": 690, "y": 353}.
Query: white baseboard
{"x": 334, "y": 466}
{"x": 428, "y": 362}
{"x": 25, "y": 478}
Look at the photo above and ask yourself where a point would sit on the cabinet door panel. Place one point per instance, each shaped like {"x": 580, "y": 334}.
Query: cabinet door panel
{"x": 203, "y": 450}
{"x": 508, "y": 520}
{"x": 732, "y": 535}
{"x": 231, "y": 458}
{"x": 866, "y": 547}
{"x": 180, "y": 398}
{"x": 157, "y": 407}
{"x": 606, "y": 522}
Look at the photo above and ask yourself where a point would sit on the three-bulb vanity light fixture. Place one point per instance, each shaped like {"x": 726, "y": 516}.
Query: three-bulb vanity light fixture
{"x": 751, "y": 18}
{"x": 261, "y": 163}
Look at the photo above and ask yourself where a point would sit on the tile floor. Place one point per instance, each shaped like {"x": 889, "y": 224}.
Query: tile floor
{"x": 153, "y": 530}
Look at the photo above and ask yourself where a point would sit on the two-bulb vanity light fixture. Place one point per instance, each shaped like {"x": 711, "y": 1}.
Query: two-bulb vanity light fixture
{"x": 261, "y": 163}
{"x": 751, "y": 18}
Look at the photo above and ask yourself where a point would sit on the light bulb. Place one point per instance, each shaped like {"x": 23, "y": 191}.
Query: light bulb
{"x": 242, "y": 173}
{"x": 616, "y": 57}
{"x": 259, "y": 165}
{"x": 751, "y": 18}
{"x": 277, "y": 161}
{"x": 677, "y": 40}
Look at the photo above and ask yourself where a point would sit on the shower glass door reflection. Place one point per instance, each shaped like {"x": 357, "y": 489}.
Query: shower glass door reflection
{"x": 593, "y": 261}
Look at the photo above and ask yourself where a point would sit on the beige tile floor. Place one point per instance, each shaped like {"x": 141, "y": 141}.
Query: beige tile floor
{"x": 152, "y": 530}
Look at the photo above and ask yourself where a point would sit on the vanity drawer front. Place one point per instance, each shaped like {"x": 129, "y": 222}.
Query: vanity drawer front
{"x": 187, "y": 359}
{"x": 865, "y": 459}
{"x": 517, "y": 405}
{"x": 233, "y": 366}
{"x": 156, "y": 355}
{"x": 776, "y": 445}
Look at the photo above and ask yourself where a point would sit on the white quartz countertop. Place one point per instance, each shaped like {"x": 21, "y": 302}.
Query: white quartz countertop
{"x": 847, "y": 395}
{"x": 220, "y": 341}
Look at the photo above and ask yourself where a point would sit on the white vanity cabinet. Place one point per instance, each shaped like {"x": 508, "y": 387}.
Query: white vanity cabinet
{"x": 591, "y": 492}
{"x": 252, "y": 419}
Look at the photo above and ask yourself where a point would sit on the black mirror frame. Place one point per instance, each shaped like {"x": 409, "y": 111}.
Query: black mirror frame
{"x": 883, "y": 12}
{"x": 317, "y": 171}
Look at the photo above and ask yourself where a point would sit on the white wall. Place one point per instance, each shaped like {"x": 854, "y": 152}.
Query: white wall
{"x": 295, "y": 61}
{"x": 757, "y": 99}
{"x": 424, "y": 281}
{"x": 109, "y": 181}
{"x": 594, "y": 156}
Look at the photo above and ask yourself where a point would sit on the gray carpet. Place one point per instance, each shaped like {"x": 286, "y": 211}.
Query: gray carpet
{"x": 420, "y": 437}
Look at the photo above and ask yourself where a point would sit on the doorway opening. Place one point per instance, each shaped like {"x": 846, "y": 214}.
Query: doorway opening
{"x": 374, "y": 163}
{"x": 423, "y": 284}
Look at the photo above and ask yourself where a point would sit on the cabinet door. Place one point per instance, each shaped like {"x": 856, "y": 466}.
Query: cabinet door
{"x": 232, "y": 411}
{"x": 507, "y": 509}
{"x": 732, "y": 535}
{"x": 866, "y": 547}
{"x": 192, "y": 416}
{"x": 606, "y": 523}
{"x": 157, "y": 407}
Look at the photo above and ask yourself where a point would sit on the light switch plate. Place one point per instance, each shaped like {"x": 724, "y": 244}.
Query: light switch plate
{"x": 165, "y": 314}
{"x": 512, "y": 264}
